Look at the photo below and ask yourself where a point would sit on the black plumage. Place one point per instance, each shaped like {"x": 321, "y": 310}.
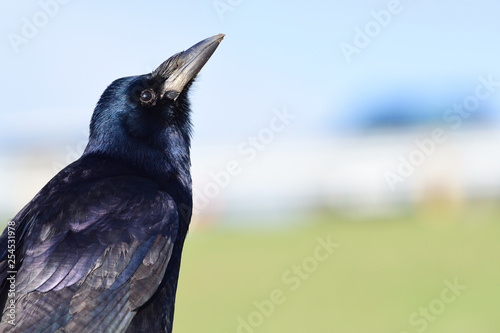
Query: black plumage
{"x": 99, "y": 247}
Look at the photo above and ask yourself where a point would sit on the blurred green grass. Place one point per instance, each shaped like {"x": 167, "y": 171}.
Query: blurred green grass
{"x": 383, "y": 272}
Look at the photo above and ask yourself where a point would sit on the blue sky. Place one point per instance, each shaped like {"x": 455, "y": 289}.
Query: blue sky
{"x": 276, "y": 54}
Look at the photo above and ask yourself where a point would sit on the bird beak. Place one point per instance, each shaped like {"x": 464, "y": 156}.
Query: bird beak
{"x": 182, "y": 67}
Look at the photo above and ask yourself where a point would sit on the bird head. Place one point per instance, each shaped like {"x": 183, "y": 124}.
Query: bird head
{"x": 145, "y": 118}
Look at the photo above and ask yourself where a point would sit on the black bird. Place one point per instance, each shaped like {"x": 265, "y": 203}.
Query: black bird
{"x": 98, "y": 249}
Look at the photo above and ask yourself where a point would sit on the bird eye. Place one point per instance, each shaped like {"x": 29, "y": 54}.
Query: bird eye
{"x": 147, "y": 96}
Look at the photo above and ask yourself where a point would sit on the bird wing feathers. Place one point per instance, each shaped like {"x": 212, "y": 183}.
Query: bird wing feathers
{"x": 90, "y": 258}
